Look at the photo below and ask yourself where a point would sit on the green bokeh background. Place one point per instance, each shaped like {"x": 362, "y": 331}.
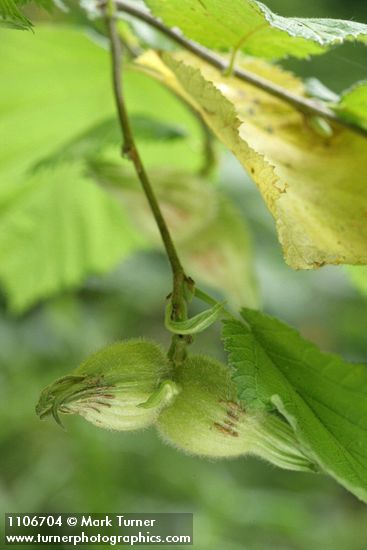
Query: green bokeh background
{"x": 237, "y": 504}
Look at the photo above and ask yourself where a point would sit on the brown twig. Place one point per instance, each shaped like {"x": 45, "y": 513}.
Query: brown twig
{"x": 130, "y": 151}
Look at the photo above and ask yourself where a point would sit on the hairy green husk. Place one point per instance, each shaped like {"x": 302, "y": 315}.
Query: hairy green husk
{"x": 111, "y": 386}
{"x": 206, "y": 419}
{"x": 130, "y": 385}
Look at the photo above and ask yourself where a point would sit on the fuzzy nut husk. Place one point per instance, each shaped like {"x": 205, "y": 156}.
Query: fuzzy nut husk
{"x": 206, "y": 419}
{"x": 111, "y": 386}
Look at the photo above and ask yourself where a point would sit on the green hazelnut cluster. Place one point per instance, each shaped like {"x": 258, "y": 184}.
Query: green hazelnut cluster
{"x": 131, "y": 385}
{"x": 111, "y": 387}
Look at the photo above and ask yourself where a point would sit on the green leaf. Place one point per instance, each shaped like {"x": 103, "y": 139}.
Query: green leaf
{"x": 58, "y": 229}
{"x": 101, "y": 135}
{"x": 196, "y": 324}
{"x": 314, "y": 185}
{"x": 220, "y": 256}
{"x": 11, "y": 16}
{"x": 358, "y": 276}
{"x": 59, "y": 91}
{"x": 353, "y": 104}
{"x": 250, "y": 26}
{"x": 213, "y": 241}
{"x": 59, "y": 88}
{"x": 150, "y": 128}
{"x": 181, "y": 196}
{"x": 323, "y": 397}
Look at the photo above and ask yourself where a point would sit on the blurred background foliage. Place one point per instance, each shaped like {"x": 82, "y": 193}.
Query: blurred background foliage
{"x": 238, "y": 504}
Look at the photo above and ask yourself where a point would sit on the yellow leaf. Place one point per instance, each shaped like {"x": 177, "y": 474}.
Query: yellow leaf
{"x": 315, "y": 186}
